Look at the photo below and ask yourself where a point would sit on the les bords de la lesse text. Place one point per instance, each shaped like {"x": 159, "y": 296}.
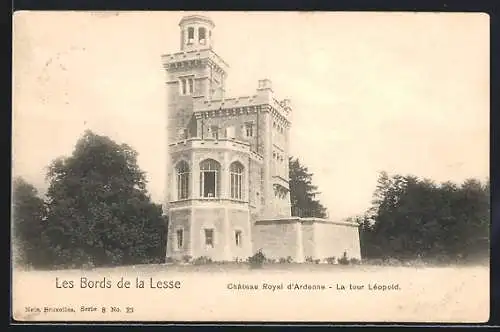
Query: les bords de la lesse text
{"x": 87, "y": 283}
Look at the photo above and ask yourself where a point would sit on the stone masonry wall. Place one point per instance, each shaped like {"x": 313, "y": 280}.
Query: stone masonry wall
{"x": 238, "y": 220}
{"x": 209, "y": 218}
{"x": 276, "y": 239}
{"x": 308, "y": 240}
{"x": 334, "y": 239}
{"x": 179, "y": 219}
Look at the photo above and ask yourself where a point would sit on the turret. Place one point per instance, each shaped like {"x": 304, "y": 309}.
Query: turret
{"x": 196, "y": 33}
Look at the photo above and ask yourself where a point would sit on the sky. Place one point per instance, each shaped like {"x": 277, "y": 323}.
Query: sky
{"x": 407, "y": 93}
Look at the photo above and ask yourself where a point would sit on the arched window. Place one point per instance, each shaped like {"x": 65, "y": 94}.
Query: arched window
{"x": 209, "y": 178}
{"x": 236, "y": 174}
{"x": 182, "y": 170}
{"x": 202, "y": 36}
{"x": 190, "y": 35}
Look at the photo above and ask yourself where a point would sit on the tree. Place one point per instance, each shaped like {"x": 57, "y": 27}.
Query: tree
{"x": 303, "y": 193}
{"x": 28, "y": 218}
{"x": 98, "y": 209}
{"x": 413, "y": 217}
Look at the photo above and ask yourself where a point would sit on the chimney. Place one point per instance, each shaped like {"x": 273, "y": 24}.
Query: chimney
{"x": 265, "y": 84}
{"x": 286, "y": 103}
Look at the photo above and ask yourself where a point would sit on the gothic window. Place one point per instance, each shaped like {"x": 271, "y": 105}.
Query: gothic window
{"x": 190, "y": 35}
{"x": 202, "y": 35}
{"x": 209, "y": 237}
{"x": 249, "y": 129}
{"x": 209, "y": 178}
{"x": 237, "y": 238}
{"x": 236, "y": 174}
{"x": 182, "y": 169}
{"x": 180, "y": 238}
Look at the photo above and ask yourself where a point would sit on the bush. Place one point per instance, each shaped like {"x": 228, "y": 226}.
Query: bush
{"x": 309, "y": 259}
{"x": 316, "y": 261}
{"x": 257, "y": 259}
{"x": 289, "y": 259}
{"x": 344, "y": 260}
{"x": 331, "y": 260}
{"x": 270, "y": 260}
{"x": 186, "y": 258}
{"x": 170, "y": 260}
{"x": 203, "y": 260}
{"x": 354, "y": 261}
{"x": 282, "y": 260}
{"x": 392, "y": 262}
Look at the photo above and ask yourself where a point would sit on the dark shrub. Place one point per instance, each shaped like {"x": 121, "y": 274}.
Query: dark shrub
{"x": 344, "y": 260}
{"x": 203, "y": 260}
{"x": 170, "y": 260}
{"x": 257, "y": 259}
{"x": 354, "y": 261}
{"x": 186, "y": 258}
{"x": 331, "y": 260}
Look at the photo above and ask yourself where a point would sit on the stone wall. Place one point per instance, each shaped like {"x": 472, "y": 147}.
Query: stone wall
{"x": 333, "y": 239}
{"x": 308, "y": 240}
{"x": 179, "y": 219}
{"x": 209, "y": 218}
{"x": 238, "y": 220}
{"x": 301, "y": 238}
{"x": 277, "y": 238}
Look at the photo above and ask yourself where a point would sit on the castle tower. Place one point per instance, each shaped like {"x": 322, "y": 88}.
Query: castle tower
{"x": 207, "y": 173}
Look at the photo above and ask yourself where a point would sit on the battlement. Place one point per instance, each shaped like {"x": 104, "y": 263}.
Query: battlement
{"x": 264, "y": 96}
{"x": 212, "y": 143}
{"x": 171, "y": 58}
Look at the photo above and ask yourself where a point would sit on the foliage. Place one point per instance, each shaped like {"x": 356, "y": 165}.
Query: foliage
{"x": 203, "y": 260}
{"x": 28, "y": 212}
{"x": 257, "y": 260}
{"x": 187, "y": 258}
{"x": 331, "y": 260}
{"x": 98, "y": 209}
{"x": 416, "y": 218}
{"x": 344, "y": 260}
{"x": 303, "y": 193}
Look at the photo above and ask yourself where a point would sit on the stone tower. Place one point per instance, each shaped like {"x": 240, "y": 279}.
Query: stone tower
{"x": 207, "y": 173}
{"x": 228, "y": 192}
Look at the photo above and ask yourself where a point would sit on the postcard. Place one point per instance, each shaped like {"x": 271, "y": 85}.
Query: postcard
{"x": 250, "y": 166}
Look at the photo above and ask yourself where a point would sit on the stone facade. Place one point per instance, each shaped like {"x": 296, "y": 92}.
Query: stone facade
{"x": 227, "y": 165}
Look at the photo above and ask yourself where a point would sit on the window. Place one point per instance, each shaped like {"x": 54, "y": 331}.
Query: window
{"x": 191, "y": 85}
{"x": 209, "y": 238}
{"x": 214, "y": 131}
{"x": 237, "y": 238}
{"x": 183, "y": 86}
{"x": 180, "y": 238}
{"x": 190, "y": 35}
{"x": 236, "y": 174}
{"x": 249, "y": 129}
{"x": 187, "y": 86}
{"x": 202, "y": 35}
{"x": 209, "y": 178}
{"x": 230, "y": 133}
{"x": 182, "y": 169}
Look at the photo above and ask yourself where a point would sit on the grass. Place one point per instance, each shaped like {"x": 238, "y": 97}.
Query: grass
{"x": 288, "y": 267}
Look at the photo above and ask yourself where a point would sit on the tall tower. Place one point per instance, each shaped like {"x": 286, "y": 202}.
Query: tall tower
{"x": 207, "y": 217}
{"x": 194, "y": 72}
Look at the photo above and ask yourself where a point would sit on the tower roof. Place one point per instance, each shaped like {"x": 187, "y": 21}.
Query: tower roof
{"x": 196, "y": 18}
